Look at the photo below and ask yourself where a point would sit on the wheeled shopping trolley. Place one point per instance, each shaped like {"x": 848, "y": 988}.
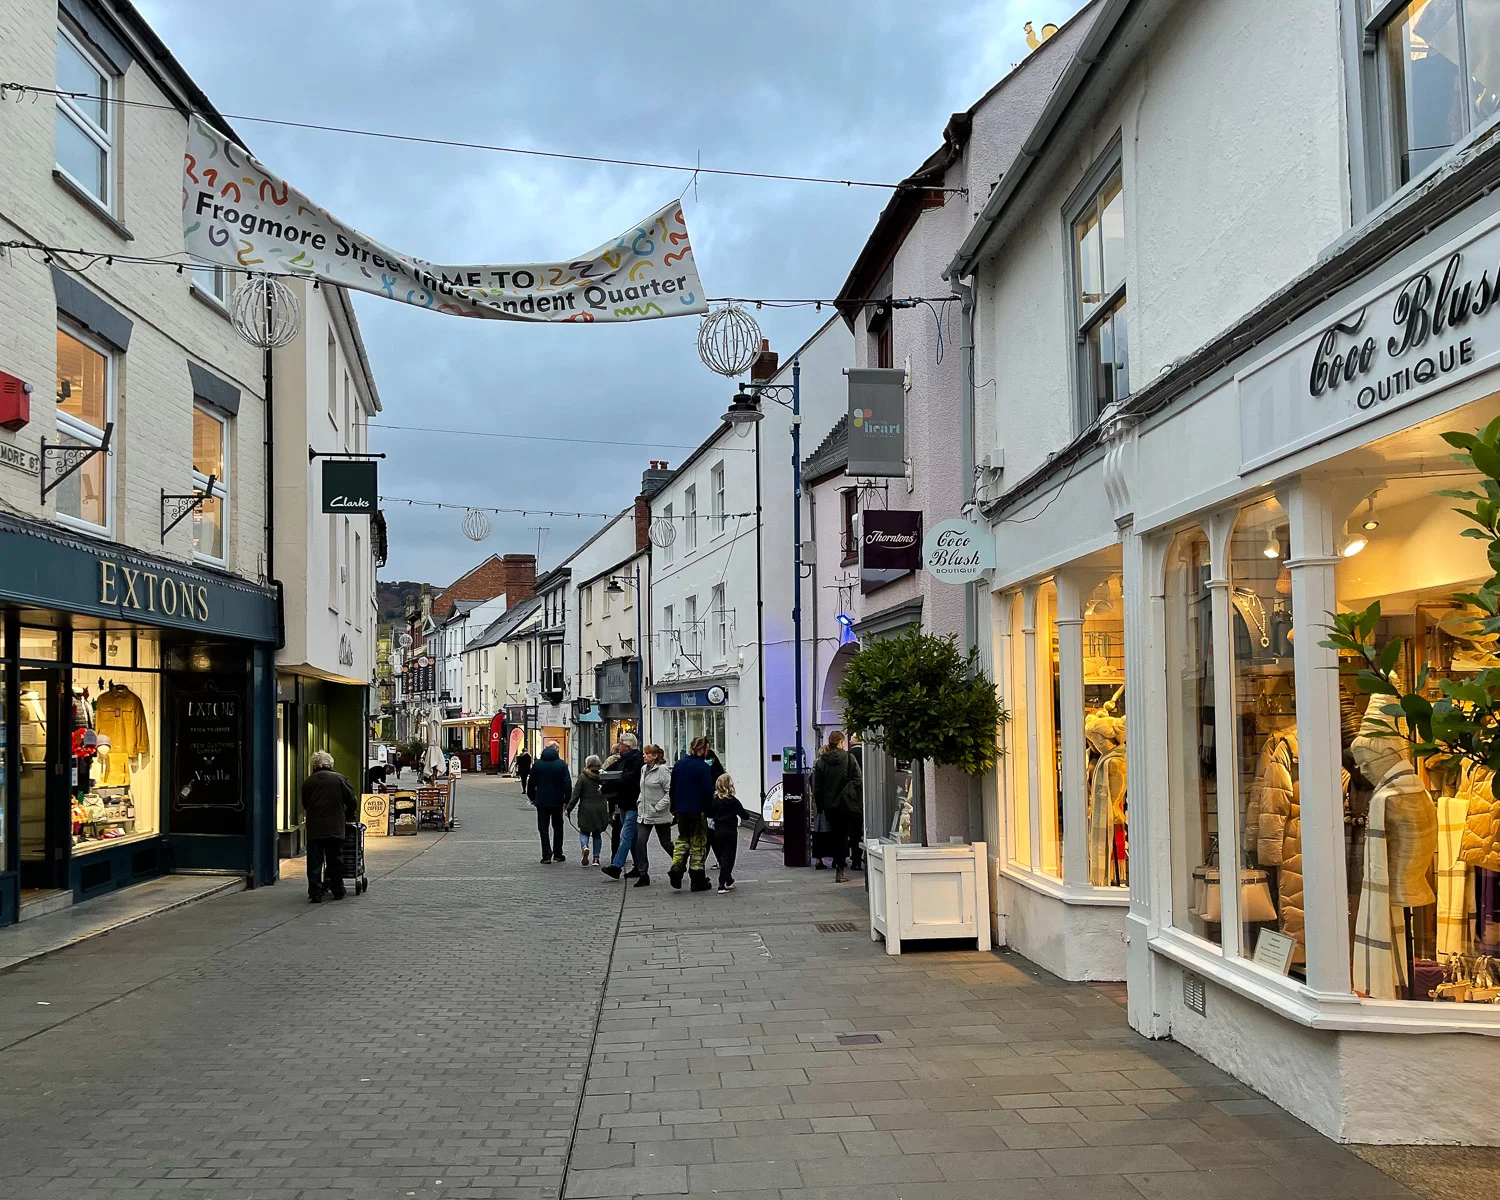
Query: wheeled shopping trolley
{"x": 352, "y": 857}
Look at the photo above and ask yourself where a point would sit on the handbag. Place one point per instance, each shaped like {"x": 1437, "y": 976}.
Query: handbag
{"x": 1256, "y": 904}
{"x": 821, "y": 824}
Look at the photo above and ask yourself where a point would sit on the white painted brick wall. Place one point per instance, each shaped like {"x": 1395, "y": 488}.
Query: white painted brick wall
{"x": 153, "y": 432}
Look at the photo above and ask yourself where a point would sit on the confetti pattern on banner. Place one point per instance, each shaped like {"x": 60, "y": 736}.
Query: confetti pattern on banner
{"x": 236, "y": 213}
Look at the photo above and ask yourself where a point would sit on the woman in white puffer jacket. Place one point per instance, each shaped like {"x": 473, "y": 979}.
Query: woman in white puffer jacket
{"x": 654, "y": 808}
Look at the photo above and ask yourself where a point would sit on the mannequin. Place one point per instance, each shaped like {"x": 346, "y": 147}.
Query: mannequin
{"x": 1105, "y": 735}
{"x": 1400, "y": 841}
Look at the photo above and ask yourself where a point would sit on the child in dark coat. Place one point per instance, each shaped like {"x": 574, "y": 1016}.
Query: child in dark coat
{"x": 727, "y": 812}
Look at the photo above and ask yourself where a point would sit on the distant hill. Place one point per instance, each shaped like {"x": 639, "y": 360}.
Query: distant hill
{"x": 393, "y": 594}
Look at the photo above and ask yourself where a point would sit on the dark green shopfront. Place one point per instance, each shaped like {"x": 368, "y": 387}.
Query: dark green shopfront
{"x": 137, "y": 719}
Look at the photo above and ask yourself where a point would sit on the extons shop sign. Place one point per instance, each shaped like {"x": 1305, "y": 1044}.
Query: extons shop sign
{"x": 153, "y": 592}
{"x": 1409, "y": 336}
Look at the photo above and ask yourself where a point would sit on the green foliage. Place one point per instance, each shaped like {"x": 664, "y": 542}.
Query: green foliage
{"x": 917, "y": 696}
{"x": 412, "y": 751}
{"x": 1464, "y": 722}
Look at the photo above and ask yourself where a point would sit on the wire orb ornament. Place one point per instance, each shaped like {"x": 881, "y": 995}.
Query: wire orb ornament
{"x": 728, "y": 340}
{"x": 663, "y": 532}
{"x": 265, "y": 312}
{"x": 476, "y": 525}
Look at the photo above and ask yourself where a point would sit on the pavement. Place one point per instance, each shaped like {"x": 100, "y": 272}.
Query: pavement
{"x": 480, "y": 1026}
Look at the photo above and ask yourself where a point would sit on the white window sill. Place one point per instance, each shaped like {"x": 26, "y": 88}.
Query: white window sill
{"x": 1049, "y": 885}
{"x": 1339, "y": 1012}
{"x": 82, "y": 526}
{"x": 95, "y": 205}
{"x": 207, "y": 560}
{"x": 206, "y": 297}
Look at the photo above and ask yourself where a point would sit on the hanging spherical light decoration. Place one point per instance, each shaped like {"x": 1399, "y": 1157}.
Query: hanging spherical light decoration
{"x": 728, "y": 340}
{"x": 265, "y": 312}
{"x": 476, "y": 525}
{"x": 663, "y": 532}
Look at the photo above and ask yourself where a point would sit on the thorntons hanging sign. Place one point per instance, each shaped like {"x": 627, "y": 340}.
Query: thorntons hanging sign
{"x": 890, "y": 539}
{"x": 1420, "y": 333}
{"x": 238, "y": 214}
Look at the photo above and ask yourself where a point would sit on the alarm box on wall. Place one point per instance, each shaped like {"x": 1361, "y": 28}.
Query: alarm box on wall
{"x": 15, "y": 402}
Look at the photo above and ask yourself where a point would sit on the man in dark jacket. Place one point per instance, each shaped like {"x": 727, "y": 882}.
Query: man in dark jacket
{"x": 838, "y": 792}
{"x": 523, "y": 769}
{"x": 692, "y": 800}
{"x": 327, "y": 804}
{"x": 550, "y": 788}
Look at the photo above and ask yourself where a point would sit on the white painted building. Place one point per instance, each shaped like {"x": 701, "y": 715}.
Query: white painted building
{"x": 324, "y": 397}
{"x": 605, "y": 629}
{"x": 1208, "y": 347}
{"x": 707, "y": 675}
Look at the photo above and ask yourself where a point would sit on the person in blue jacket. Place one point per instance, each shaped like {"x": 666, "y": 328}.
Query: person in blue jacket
{"x": 550, "y": 788}
{"x": 692, "y": 801}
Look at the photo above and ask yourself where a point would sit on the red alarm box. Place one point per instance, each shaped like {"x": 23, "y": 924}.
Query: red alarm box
{"x": 15, "y": 402}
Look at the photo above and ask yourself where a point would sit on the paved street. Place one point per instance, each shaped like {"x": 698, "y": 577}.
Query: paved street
{"x": 434, "y": 1039}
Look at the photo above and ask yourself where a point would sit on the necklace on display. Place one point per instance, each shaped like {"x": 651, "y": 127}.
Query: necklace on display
{"x": 1253, "y": 611}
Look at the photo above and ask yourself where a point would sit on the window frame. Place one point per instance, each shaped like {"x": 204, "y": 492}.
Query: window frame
{"x": 690, "y": 518}
{"x": 690, "y": 647}
{"x": 1084, "y": 199}
{"x": 333, "y": 380}
{"x": 103, "y": 137}
{"x": 221, "y": 486}
{"x": 78, "y": 429}
{"x": 719, "y": 502}
{"x": 848, "y": 526}
{"x": 721, "y": 623}
{"x": 1374, "y": 163}
{"x": 211, "y": 283}
{"x": 668, "y": 554}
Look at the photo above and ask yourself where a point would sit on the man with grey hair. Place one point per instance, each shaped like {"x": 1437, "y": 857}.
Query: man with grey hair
{"x": 328, "y": 802}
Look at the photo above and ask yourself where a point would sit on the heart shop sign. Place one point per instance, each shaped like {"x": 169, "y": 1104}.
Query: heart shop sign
{"x": 1407, "y": 337}
{"x": 958, "y": 551}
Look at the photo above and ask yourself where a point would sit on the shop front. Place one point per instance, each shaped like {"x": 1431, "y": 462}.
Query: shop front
{"x": 312, "y": 714}
{"x": 1347, "y": 971}
{"x": 136, "y": 734}
{"x": 684, "y": 716}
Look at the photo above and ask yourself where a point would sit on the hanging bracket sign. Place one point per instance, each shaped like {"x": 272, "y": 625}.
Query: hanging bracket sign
{"x": 239, "y": 215}
{"x": 350, "y": 487}
{"x": 958, "y": 551}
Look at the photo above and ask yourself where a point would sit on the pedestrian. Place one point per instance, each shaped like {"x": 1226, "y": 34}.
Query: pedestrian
{"x": 589, "y": 803}
{"x": 328, "y": 804}
{"x": 654, "y": 809}
{"x": 609, "y": 784}
{"x": 727, "y": 813}
{"x": 625, "y": 796}
{"x": 716, "y": 769}
{"x": 692, "y": 800}
{"x": 549, "y": 787}
{"x": 523, "y": 769}
{"x": 399, "y": 766}
{"x": 838, "y": 789}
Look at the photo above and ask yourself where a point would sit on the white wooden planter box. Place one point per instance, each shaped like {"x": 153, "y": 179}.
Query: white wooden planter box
{"x": 927, "y": 892}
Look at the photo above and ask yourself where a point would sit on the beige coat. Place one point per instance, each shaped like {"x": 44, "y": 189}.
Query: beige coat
{"x": 1273, "y": 828}
{"x": 1481, "y": 840}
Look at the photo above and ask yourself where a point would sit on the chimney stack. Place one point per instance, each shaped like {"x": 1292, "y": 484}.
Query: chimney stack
{"x": 654, "y": 478}
{"x": 764, "y": 366}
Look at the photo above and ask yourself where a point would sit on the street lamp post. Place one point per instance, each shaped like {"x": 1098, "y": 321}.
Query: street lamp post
{"x": 745, "y": 410}
{"x": 640, "y": 652}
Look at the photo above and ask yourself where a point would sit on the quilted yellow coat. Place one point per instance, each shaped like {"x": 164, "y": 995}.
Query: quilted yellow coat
{"x": 1481, "y": 841}
{"x": 1273, "y": 829}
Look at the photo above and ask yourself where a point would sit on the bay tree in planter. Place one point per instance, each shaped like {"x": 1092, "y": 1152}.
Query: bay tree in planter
{"x": 919, "y": 697}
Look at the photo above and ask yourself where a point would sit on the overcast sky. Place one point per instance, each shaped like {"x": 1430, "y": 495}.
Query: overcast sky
{"x": 828, "y": 87}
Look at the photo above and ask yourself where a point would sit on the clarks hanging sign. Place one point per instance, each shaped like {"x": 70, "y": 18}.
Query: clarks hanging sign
{"x": 1419, "y": 333}
{"x": 237, "y": 214}
{"x": 350, "y": 486}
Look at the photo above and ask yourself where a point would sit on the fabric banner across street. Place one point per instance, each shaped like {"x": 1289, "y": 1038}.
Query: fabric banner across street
{"x": 237, "y": 214}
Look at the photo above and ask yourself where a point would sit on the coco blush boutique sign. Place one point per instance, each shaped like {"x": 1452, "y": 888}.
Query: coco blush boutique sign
{"x": 958, "y": 551}
{"x": 1413, "y": 336}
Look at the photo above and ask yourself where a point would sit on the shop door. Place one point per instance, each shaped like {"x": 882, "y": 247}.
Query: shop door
{"x": 46, "y": 760}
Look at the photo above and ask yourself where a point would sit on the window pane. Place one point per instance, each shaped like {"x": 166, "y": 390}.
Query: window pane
{"x": 83, "y": 493}
{"x": 80, "y": 156}
{"x": 1112, "y": 228}
{"x": 76, "y": 74}
{"x": 1482, "y": 45}
{"x": 1428, "y": 102}
{"x": 208, "y": 444}
{"x": 82, "y": 377}
{"x": 1122, "y": 354}
{"x": 208, "y": 529}
{"x": 1090, "y": 272}
{"x": 1269, "y": 815}
{"x": 1193, "y": 787}
{"x": 1104, "y": 732}
{"x": 1049, "y": 733}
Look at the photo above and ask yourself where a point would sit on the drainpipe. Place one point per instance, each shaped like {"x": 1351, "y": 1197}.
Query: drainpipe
{"x": 814, "y": 694}
{"x": 966, "y": 466}
{"x": 760, "y": 626}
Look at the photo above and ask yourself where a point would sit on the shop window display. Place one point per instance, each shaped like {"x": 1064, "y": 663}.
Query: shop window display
{"x": 1018, "y": 749}
{"x": 1048, "y": 857}
{"x": 115, "y": 715}
{"x": 1422, "y": 843}
{"x": 1191, "y": 757}
{"x": 1104, "y": 732}
{"x": 1268, "y": 825}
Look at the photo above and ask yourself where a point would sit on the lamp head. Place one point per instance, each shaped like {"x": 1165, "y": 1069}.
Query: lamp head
{"x": 744, "y": 411}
